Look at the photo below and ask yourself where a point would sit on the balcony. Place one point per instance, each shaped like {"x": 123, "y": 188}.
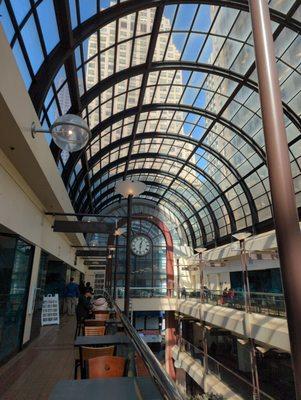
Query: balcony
{"x": 212, "y": 375}
{"x": 266, "y": 323}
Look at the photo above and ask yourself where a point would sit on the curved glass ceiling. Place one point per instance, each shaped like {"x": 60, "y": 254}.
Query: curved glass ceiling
{"x": 169, "y": 90}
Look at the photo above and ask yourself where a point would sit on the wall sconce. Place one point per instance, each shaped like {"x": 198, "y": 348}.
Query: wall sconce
{"x": 69, "y": 132}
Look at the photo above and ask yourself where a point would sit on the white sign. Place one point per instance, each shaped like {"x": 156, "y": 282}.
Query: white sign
{"x": 50, "y": 310}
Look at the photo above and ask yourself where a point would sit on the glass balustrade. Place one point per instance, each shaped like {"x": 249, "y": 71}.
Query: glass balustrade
{"x": 272, "y": 304}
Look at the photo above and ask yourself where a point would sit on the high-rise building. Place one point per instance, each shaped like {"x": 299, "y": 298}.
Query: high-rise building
{"x": 127, "y": 92}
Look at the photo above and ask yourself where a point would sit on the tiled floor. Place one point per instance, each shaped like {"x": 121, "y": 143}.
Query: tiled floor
{"x": 32, "y": 374}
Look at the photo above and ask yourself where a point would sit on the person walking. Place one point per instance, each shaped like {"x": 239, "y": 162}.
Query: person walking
{"x": 71, "y": 296}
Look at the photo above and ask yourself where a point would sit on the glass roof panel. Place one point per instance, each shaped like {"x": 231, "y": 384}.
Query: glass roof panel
{"x": 171, "y": 96}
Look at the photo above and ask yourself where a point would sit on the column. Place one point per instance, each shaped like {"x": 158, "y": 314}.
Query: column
{"x": 170, "y": 342}
{"x": 283, "y": 196}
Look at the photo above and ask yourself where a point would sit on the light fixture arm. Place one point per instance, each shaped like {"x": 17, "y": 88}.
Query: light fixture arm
{"x": 34, "y": 131}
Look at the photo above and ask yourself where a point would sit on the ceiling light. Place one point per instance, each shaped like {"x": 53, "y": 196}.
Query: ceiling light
{"x": 241, "y": 235}
{"x": 200, "y": 249}
{"x": 128, "y": 188}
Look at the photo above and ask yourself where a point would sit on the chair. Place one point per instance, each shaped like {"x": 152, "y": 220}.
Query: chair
{"x": 94, "y": 322}
{"x": 106, "y": 367}
{"x": 90, "y": 352}
{"x": 94, "y": 330}
{"x": 78, "y": 329}
{"x": 101, "y": 312}
{"x": 101, "y": 317}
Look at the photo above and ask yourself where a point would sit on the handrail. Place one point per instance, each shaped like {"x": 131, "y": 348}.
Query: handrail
{"x": 164, "y": 382}
{"x": 181, "y": 340}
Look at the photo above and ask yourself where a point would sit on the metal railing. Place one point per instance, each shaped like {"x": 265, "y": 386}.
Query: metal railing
{"x": 164, "y": 383}
{"x": 240, "y": 385}
{"x": 146, "y": 292}
{"x": 272, "y": 304}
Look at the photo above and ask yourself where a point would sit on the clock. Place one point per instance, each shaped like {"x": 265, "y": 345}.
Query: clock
{"x": 141, "y": 245}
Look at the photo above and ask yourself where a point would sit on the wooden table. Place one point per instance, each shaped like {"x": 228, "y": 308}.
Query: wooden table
{"x": 105, "y": 340}
{"x": 126, "y": 388}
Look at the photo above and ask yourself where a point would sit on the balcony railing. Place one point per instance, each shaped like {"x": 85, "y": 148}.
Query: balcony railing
{"x": 262, "y": 303}
{"x": 146, "y": 292}
{"x": 272, "y": 304}
{"x": 238, "y": 384}
{"x": 160, "y": 377}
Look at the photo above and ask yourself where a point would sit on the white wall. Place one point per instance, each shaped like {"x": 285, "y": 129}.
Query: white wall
{"x": 30, "y": 183}
{"x": 22, "y": 212}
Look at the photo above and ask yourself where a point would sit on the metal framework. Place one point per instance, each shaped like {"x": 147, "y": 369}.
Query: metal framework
{"x": 173, "y": 101}
{"x": 149, "y": 135}
{"x": 62, "y": 53}
{"x": 147, "y": 182}
{"x": 198, "y": 170}
{"x": 149, "y": 207}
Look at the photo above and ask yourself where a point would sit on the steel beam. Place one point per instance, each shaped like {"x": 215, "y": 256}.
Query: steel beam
{"x": 127, "y": 283}
{"x": 163, "y": 173}
{"x": 60, "y": 53}
{"x": 149, "y": 58}
{"x": 175, "y": 193}
{"x": 133, "y": 71}
{"x": 186, "y": 139}
{"x": 192, "y": 166}
{"x": 90, "y": 253}
{"x": 115, "y": 199}
{"x": 280, "y": 176}
{"x": 82, "y": 227}
{"x": 72, "y": 161}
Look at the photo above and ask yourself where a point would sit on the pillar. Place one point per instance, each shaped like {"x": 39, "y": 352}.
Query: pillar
{"x": 170, "y": 342}
{"x": 127, "y": 283}
{"x": 282, "y": 190}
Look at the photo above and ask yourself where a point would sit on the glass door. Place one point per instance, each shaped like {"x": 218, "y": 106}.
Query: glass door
{"x": 15, "y": 272}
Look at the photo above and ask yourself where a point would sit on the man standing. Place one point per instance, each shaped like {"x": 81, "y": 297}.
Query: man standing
{"x": 71, "y": 295}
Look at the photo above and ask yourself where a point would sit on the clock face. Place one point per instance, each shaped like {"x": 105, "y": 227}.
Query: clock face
{"x": 141, "y": 245}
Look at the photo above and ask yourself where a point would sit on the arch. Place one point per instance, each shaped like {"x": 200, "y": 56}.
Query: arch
{"x": 65, "y": 48}
{"x": 175, "y": 193}
{"x": 173, "y": 207}
{"x": 197, "y": 169}
{"x": 163, "y": 173}
{"x": 148, "y": 135}
{"x": 73, "y": 159}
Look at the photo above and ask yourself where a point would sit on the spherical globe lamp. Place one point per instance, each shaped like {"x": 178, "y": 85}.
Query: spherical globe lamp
{"x": 70, "y": 133}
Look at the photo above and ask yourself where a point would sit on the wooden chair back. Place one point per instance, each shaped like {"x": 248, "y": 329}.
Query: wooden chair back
{"x": 94, "y": 330}
{"x": 101, "y": 317}
{"x": 101, "y": 312}
{"x": 94, "y": 322}
{"x": 106, "y": 367}
{"x": 92, "y": 352}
